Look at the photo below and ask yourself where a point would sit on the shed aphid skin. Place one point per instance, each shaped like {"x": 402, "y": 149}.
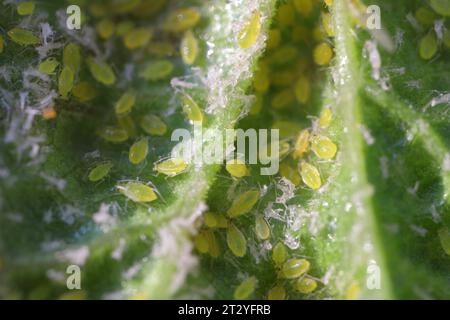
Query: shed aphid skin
{"x": 444, "y": 238}
{"x": 25, "y": 8}
{"x": 310, "y": 175}
{"x": 138, "y": 151}
{"x": 157, "y": 70}
{"x": 171, "y": 167}
{"x": 236, "y": 241}
{"x": 182, "y": 19}
{"x": 290, "y": 173}
{"x": 137, "y": 38}
{"x": 250, "y": 31}
{"x": 322, "y": 54}
{"x": 48, "y": 66}
{"x": 283, "y": 98}
{"x": 201, "y": 242}
{"x": 101, "y": 71}
{"x": 305, "y": 285}
{"x": 125, "y": 103}
{"x": 279, "y": 254}
{"x": 65, "y": 82}
{"x": 49, "y": 113}
{"x": 23, "y": 37}
{"x": 113, "y": 134}
{"x": 100, "y": 171}
{"x": 294, "y": 268}
{"x": 442, "y": 7}
{"x": 137, "y": 192}
{"x": 325, "y": 118}
{"x": 428, "y": 46}
{"x": 323, "y": 147}
{"x": 105, "y": 28}
{"x": 72, "y": 57}
{"x": 215, "y": 220}
{"x": 243, "y": 203}
{"x": 189, "y": 48}
{"x": 191, "y": 109}
{"x": 245, "y": 289}
{"x": 301, "y": 144}
{"x": 302, "y": 89}
{"x": 277, "y": 293}
{"x": 237, "y": 168}
{"x": 84, "y": 91}
{"x": 153, "y": 125}
{"x": 262, "y": 228}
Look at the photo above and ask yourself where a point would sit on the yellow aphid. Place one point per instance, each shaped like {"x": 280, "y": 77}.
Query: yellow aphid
{"x": 65, "y": 82}
{"x": 325, "y": 118}
{"x": 283, "y": 99}
{"x": 126, "y": 122}
{"x": 191, "y": 109}
{"x": 286, "y": 15}
{"x": 444, "y": 237}
{"x": 137, "y": 192}
{"x": 428, "y": 46}
{"x": 125, "y": 103}
{"x": 326, "y": 23}
{"x": 310, "y": 175}
{"x": 322, "y": 54}
{"x": 284, "y": 78}
{"x": 287, "y": 128}
{"x": 237, "y": 168}
{"x": 425, "y": 16}
{"x": 302, "y": 89}
{"x": 276, "y": 293}
{"x": 113, "y": 134}
{"x": 290, "y": 173}
{"x": 124, "y": 27}
{"x": 305, "y": 285}
{"x": 157, "y": 70}
{"x": 279, "y": 254}
{"x": 182, "y": 20}
{"x": 353, "y": 291}
{"x": 171, "y": 167}
{"x": 257, "y": 105}
{"x": 243, "y": 203}
{"x": 274, "y": 38}
{"x": 153, "y": 125}
{"x": 262, "y": 228}
{"x": 442, "y": 7}
{"x": 236, "y": 241}
{"x": 137, "y": 38}
{"x": 201, "y": 242}
{"x": 304, "y": 7}
{"x": 319, "y": 33}
{"x": 100, "y": 171}
{"x": 105, "y": 28}
{"x": 189, "y": 47}
{"x": 213, "y": 244}
{"x": 161, "y": 49}
{"x": 25, "y": 8}
{"x": 329, "y": 3}
{"x": 101, "y": 71}
{"x": 323, "y": 147}
{"x": 23, "y": 37}
{"x": 261, "y": 81}
{"x": 284, "y": 55}
{"x": 138, "y": 151}
{"x": 72, "y": 57}
{"x": 214, "y": 220}
{"x": 294, "y": 268}
{"x": 49, "y": 113}
{"x": 48, "y": 66}
{"x": 245, "y": 289}
{"x": 250, "y": 31}
{"x": 2, "y": 44}
{"x": 301, "y": 144}
{"x": 84, "y": 91}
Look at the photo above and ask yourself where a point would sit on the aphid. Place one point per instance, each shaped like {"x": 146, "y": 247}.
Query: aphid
{"x": 325, "y": 118}
{"x": 137, "y": 192}
{"x": 273, "y": 39}
{"x": 125, "y": 103}
{"x": 428, "y": 46}
{"x": 442, "y": 7}
{"x": 23, "y": 37}
{"x": 138, "y": 151}
{"x": 262, "y": 228}
{"x": 25, "y": 8}
{"x": 286, "y": 15}
{"x": 326, "y": 23}
{"x": 236, "y": 241}
{"x": 243, "y": 203}
{"x": 146, "y": 9}
{"x": 65, "y": 82}
{"x": 113, "y": 134}
{"x": 214, "y": 220}
{"x": 161, "y": 49}
{"x": 245, "y": 289}
{"x": 276, "y": 293}
{"x": 48, "y": 66}
{"x": 250, "y": 31}
{"x": 310, "y": 175}
{"x": 153, "y": 125}
{"x": 261, "y": 81}
{"x": 329, "y": 3}
{"x": 304, "y": 7}
{"x": 237, "y": 168}
{"x": 84, "y": 91}
{"x": 425, "y": 16}
{"x": 444, "y": 237}
{"x": 322, "y": 54}
{"x": 182, "y": 20}
{"x": 2, "y": 44}
{"x": 279, "y": 254}
{"x": 201, "y": 242}
{"x": 302, "y": 89}
{"x": 191, "y": 109}
{"x": 305, "y": 285}
{"x": 101, "y": 71}
{"x": 126, "y": 122}
{"x": 282, "y": 99}
{"x": 290, "y": 173}
{"x": 284, "y": 55}
{"x": 353, "y": 291}
{"x": 72, "y": 57}
{"x": 171, "y": 167}
{"x": 189, "y": 47}
{"x": 100, "y": 171}
{"x": 124, "y": 27}
{"x": 137, "y": 38}
{"x": 294, "y": 268}
{"x": 157, "y": 70}
{"x": 213, "y": 244}
{"x": 105, "y": 28}
{"x": 49, "y": 113}
{"x": 323, "y": 147}
{"x": 283, "y": 78}
{"x": 301, "y": 144}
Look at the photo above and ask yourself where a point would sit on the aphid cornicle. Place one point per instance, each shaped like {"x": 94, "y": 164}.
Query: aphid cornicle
{"x": 137, "y": 38}
{"x": 72, "y": 57}
{"x": 243, "y": 203}
{"x": 138, "y": 151}
{"x": 237, "y": 168}
{"x": 250, "y": 31}
{"x": 236, "y": 241}
{"x": 125, "y": 103}
{"x": 157, "y": 70}
{"x": 48, "y": 66}
{"x": 25, "y": 8}
{"x": 65, "y": 82}
{"x": 171, "y": 167}
{"x": 137, "y": 192}
{"x": 23, "y": 37}
{"x": 305, "y": 285}
{"x": 276, "y": 293}
{"x": 182, "y": 20}
{"x": 310, "y": 175}
{"x": 100, "y": 171}
{"x": 428, "y": 46}
{"x": 279, "y": 254}
{"x": 323, "y": 147}
{"x": 245, "y": 289}
{"x": 101, "y": 71}
{"x": 113, "y": 134}
{"x": 294, "y": 268}
{"x": 153, "y": 125}
{"x": 191, "y": 109}
{"x": 189, "y": 47}
{"x": 262, "y": 228}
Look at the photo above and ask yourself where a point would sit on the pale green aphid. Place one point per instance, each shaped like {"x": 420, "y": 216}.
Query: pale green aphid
{"x": 305, "y": 285}
{"x": 72, "y": 57}
{"x": 101, "y": 71}
{"x": 23, "y": 37}
{"x": 442, "y": 7}
{"x": 213, "y": 244}
{"x": 236, "y": 241}
{"x": 153, "y": 125}
{"x": 191, "y": 109}
{"x": 125, "y": 103}
{"x": 201, "y": 242}
{"x": 245, "y": 289}
{"x": 243, "y": 203}
{"x": 171, "y": 167}
{"x": 189, "y": 47}
{"x": 105, "y": 28}
{"x": 137, "y": 192}
{"x": 25, "y": 8}
{"x": 48, "y": 66}
{"x": 100, "y": 171}
{"x": 113, "y": 134}
{"x": 237, "y": 168}
{"x": 279, "y": 254}
{"x": 65, "y": 82}
{"x": 428, "y": 46}
{"x": 214, "y": 220}
{"x": 138, "y": 151}
{"x": 127, "y": 123}
{"x": 310, "y": 175}
{"x": 444, "y": 237}
{"x": 124, "y": 27}
{"x": 262, "y": 228}
{"x": 157, "y": 70}
{"x": 294, "y": 268}
{"x": 182, "y": 19}
{"x": 250, "y": 31}
{"x": 276, "y": 293}
{"x": 323, "y": 147}
{"x": 84, "y": 91}
{"x": 137, "y": 38}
